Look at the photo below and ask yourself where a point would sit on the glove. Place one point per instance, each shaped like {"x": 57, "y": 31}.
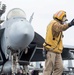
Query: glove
{"x": 71, "y": 23}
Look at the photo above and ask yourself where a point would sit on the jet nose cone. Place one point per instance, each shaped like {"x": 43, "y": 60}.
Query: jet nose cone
{"x": 21, "y": 34}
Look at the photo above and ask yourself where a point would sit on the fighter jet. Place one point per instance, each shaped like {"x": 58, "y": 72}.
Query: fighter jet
{"x": 18, "y": 43}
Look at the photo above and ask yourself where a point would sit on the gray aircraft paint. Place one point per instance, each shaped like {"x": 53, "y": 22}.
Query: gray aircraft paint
{"x": 18, "y": 34}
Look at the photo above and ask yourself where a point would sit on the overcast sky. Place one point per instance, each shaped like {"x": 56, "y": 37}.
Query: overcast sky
{"x": 43, "y": 13}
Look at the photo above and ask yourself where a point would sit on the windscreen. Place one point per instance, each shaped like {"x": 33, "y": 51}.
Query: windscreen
{"x": 16, "y": 12}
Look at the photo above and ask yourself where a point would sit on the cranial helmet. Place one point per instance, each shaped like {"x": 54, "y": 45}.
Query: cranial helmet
{"x": 59, "y": 15}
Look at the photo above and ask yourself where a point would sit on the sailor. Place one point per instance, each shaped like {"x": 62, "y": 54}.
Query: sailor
{"x": 53, "y": 43}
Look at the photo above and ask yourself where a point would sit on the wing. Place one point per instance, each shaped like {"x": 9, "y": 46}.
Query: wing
{"x": 68, "y": 52}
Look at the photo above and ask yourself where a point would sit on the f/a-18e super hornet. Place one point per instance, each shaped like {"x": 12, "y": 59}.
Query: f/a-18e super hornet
{"x": 18, "y": 42}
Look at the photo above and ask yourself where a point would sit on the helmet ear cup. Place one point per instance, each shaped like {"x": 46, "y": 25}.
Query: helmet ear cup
{"x": 59, "y": 15}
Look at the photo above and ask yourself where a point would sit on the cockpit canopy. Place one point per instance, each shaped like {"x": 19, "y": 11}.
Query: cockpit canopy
{"x": 16, "y": 12}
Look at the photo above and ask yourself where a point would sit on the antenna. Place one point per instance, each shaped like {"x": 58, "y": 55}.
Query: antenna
{"x": 31, "y": 17}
